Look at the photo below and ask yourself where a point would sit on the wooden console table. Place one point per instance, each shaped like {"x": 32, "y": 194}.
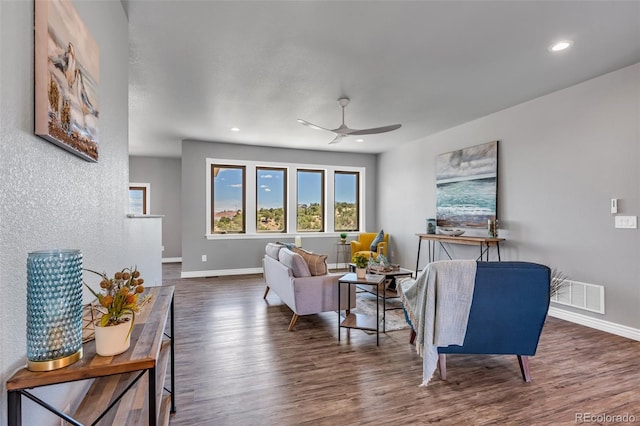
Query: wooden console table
{"x": 121, "y": 393}
{"x": 483, "y": 242}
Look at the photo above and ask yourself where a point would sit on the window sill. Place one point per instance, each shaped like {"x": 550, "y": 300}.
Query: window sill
{"x": 276, "y": 236}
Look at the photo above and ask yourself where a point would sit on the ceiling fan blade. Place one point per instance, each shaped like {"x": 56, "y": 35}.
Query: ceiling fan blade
{"x": 313, "y": 126}
{"x": 375, "y": 130}
{"x": 337, "y": 139}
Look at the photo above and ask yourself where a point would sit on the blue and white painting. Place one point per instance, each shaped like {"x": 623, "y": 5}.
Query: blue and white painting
{"x": 467, "y": 186}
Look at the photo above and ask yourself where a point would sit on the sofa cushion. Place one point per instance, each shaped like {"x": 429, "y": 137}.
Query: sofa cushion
{"x": 273, "y": 250}
{"x": 378, "y": 239}
{"x": 317, "y": 263}
{"x": 295, "y": 262}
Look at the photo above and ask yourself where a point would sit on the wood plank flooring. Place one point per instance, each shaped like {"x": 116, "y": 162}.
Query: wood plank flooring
{"x": 236, "y": 364}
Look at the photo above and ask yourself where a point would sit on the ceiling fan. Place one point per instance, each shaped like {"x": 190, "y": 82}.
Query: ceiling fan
{"x": 344, "y": 131}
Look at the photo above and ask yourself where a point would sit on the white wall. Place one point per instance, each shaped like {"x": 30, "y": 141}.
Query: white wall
{"x": 165, "y": 177}
{"x": 562, "y": 157}
{"x": 50, "y": 198}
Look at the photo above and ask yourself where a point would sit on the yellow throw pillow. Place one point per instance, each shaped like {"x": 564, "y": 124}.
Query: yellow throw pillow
{"x": 317, "y": 263}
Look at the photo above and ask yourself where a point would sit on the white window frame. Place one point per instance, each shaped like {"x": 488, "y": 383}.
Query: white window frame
{"x": 290, "y": 198}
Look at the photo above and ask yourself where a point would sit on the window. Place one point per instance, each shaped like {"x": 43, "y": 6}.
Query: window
{"x": 139, "y": 198}
{"x": 227, "y": 199}
{"x": 310, "y": 201}
{"x": 247, "y": 199}
{"x": 346, "y": 206}
{"x": 271, "y": 190}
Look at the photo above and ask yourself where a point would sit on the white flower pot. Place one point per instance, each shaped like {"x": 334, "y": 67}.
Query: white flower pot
{"x": 113, "y": 340}
{"x": 361, "y": 273}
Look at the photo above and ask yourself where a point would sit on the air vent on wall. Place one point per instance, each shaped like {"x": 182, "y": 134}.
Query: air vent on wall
{"x": 589, "y": 297}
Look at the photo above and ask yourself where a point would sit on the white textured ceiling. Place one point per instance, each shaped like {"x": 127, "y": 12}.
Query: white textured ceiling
{"x": 198, "y": 68}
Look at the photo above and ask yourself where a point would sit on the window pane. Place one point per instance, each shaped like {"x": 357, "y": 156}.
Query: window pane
{"x": 227, "y": 199}
{"x": 346, "y": 207}
{"x": 310, "y": 200}
{"x": 137, "y": 200}
{"x": 271, "y": 187}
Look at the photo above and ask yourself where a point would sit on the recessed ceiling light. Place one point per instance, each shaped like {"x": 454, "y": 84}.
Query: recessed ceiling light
{"x": 359, "y": 140}
{"x": 561, "y": 45}
{"x": 235, "y": 129}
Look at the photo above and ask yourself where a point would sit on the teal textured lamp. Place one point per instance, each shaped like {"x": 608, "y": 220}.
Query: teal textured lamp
{"x": 54, "y": 309}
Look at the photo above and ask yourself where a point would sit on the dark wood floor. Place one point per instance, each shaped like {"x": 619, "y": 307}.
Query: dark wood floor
{"x": 237, "y": 364}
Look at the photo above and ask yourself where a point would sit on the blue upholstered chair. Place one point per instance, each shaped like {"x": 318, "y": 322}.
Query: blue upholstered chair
{"x": 509, "y": 307}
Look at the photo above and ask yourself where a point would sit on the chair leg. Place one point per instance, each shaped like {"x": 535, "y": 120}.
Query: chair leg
{"x": 442, "y": 363}
{"x": 266, "y": 291}
{"x": 293, "y": 322}
{"x": 524, "y": 367}
{"x": 412, "y": 338}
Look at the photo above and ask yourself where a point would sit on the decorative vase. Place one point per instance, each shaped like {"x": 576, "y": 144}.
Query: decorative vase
{"x": 54, "y": 309}
{"x": 361, "y": 273}
{"x": 343, "y": 240}
{"x": 113, "y": 339}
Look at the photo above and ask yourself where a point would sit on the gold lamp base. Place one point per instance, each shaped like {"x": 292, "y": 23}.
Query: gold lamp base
{"x": 54, "y": 364}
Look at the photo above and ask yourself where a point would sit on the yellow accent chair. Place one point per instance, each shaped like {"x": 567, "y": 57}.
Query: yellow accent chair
{"x": 362, "y": 244}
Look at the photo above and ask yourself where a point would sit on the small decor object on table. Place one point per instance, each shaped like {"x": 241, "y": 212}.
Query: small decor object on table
{"x": 431, "y": 226}
{"x": 361, "y": 261}
{"x": 118, "y": 302}
{"x": 492, "y": 227}
{"x": 451, "y": 232}
{"x": 54, "y": 309}
{"x": 343, "y": 237}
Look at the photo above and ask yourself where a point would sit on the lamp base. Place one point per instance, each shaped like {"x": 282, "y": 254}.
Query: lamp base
{"x": 54, "y": 364}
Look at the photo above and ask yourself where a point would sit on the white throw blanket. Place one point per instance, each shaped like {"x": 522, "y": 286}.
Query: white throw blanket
{"x": 438, "y": 303}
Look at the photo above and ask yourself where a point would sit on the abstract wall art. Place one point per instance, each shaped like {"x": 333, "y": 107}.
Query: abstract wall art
{"x": 67, "y": 63}
{"x": 467, "y": 186}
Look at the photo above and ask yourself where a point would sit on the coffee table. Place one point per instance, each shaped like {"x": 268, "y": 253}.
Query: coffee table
{"x": 390, "y": 291}
{"x": 360, "y": 321}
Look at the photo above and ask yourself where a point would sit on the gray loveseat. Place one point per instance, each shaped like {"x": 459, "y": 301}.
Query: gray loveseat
{"x": 304, "y": 293}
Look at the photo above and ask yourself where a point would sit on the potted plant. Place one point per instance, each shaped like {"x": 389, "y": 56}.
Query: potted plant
{"x": 343, "y": 237}
{"x": 119, "y": 299}
{"x": 361, "y": 261}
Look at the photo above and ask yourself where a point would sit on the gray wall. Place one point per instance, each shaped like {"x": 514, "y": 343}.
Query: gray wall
{"x": 238, "y": 254}
{"x": 562, "y": 157}
{"x": 50, "y": 198}
{"x": 164, "y": 176}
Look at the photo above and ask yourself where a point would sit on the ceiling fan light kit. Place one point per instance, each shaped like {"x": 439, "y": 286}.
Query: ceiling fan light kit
{"x": 344, "y": 131}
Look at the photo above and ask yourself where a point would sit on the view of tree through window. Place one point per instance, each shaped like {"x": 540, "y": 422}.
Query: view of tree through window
{"x": 310, "y": 214}
{"x": 346, "y": 206}
{"x": 227, "y": 200}
{"x": 271, "y": 187}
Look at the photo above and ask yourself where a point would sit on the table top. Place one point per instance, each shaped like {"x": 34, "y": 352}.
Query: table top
{"x": 393, "y": 272}
{"x": 145, "y": 344}
{"x": 461, "y": 239}
{"x": 352, "y": 278}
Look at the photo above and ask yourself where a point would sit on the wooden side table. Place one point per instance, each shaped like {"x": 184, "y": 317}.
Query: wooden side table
{"x": 360, "y": 321}
{"x": 150, "y": 354}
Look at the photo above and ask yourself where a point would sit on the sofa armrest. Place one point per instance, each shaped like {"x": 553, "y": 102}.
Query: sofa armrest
{"x": 320, "y": 294}
{"x": 382, "y": 248}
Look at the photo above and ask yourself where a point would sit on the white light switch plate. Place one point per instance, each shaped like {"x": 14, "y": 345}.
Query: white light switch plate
{"x": 626, "y": 222}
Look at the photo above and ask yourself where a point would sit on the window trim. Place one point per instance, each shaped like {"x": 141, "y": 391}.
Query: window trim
{"x": 357, "y": 175}
{"x": 244, "y": 197}
{"x": 323, "y": 198}
{"x": 250, "y": 197}
{"x": 146, "y": 197}
{"x": 285, "y": 198}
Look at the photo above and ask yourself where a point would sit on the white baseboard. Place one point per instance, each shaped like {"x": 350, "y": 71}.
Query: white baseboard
{"x": 220, "y": 272}
{"x": 171, "y": 260}
{"x": 598, "y": 324}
